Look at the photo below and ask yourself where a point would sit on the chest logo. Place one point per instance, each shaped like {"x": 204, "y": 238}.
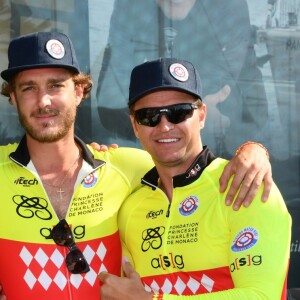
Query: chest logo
{"x": 90, "y": 180}
{"x": 29, "y": 207}
{"x": 188, "y": 206}
{"x": 152, "y": 238}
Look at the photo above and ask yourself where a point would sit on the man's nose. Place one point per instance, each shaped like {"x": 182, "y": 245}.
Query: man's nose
{"x": 164, "y": 124}
{"x": 43, "y": 98}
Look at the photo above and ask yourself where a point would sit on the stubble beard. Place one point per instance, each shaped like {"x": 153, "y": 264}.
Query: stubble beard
{"x": 49, "y": 134}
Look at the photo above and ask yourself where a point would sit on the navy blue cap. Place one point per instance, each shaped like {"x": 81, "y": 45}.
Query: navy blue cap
{"x": 39, "y": 50}
{"x": 164, "y": 74}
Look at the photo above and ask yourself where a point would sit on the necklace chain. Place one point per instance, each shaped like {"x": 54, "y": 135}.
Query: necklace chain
{"x": 60, "y": 190}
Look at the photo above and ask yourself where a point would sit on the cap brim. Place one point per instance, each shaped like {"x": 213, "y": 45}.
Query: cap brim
{"x": 161, "y": 88}
{"x": 8, "y": 73}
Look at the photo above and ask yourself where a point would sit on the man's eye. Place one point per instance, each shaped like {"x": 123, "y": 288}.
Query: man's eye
{"x": 56, "y": 85}
{"x": 27, "y": 88}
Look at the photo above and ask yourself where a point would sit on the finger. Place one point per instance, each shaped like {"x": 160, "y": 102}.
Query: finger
{"x": 235, "y": 185}
{"x": 268, "y": 182}
{"x": 95, "y": 146}
{"x": 255, "y": 186}
{"x": 248, "y": 188}
{"x": 128, "y": 269}
{"x": 115, "y": 146}
{"x": 103, "y": 276}
{"x": 103, "y": 148}
{"x": 246, "y": 194}
{"x": 224, "y": 179}
{"x": 253, "y": 182}
{"x": 233, "y": 190}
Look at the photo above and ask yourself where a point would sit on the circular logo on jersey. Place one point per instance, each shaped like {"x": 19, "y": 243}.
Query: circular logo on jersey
{"x": 188, "y": 205}
{"x": 179, "y": 72}
{"x": 245, "y": 239}
{"x": 56, "y": 49}
{"x": 89, "y": 181}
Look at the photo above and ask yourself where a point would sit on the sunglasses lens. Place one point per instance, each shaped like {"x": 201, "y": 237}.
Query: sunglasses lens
{"x": 175, "y": 114}
{"x": 178, "y": 114}
{"x": 147, "y": 116}
{"x": 62, "y": 236}
{"x": 76, "y": 263}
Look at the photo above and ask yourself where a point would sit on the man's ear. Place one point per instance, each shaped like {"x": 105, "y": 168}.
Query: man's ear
{"x": 202, "y": 115}
{"x": 12, "y": 98}
{"x": 79, "y": 93}
{"x": 134, "y": 126}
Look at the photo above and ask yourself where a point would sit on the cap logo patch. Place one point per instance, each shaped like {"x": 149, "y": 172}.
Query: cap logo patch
{"x": 56, "y": 49}
{"x": 179, "y": 72}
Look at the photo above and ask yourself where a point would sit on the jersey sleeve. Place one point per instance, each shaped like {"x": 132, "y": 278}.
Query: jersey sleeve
{"x": 6, "y": 150}
{"x": 260, "y": 246}
{"x": 258, "y": 251}
{"x": 132, "y": 164}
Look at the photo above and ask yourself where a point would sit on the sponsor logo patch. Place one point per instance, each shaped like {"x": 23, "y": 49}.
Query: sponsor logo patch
{"x": 245, "y": 239}
{"x": 188, "y": 206}
{"x": 90, "y": 180}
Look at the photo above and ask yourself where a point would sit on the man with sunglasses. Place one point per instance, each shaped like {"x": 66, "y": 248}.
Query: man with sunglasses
{"x": 180, "y": 236}
{"x": 60, "y": 198}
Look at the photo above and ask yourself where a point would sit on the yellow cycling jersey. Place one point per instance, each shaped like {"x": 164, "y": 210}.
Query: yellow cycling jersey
{"x": 31, "y": 265}
{"x": 196, "y": 247}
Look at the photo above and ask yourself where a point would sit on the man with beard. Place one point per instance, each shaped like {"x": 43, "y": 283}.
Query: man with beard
{"x": 59, "y": 197}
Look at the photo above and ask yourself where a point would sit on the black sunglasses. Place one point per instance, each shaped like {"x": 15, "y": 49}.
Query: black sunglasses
{"x": 62, "y": 236}
{"x": 151, "y": 116}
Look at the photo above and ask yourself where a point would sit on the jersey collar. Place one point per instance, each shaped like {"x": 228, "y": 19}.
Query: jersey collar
{"x": 193, "y": 173}
{"x": 22, "y": 157}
